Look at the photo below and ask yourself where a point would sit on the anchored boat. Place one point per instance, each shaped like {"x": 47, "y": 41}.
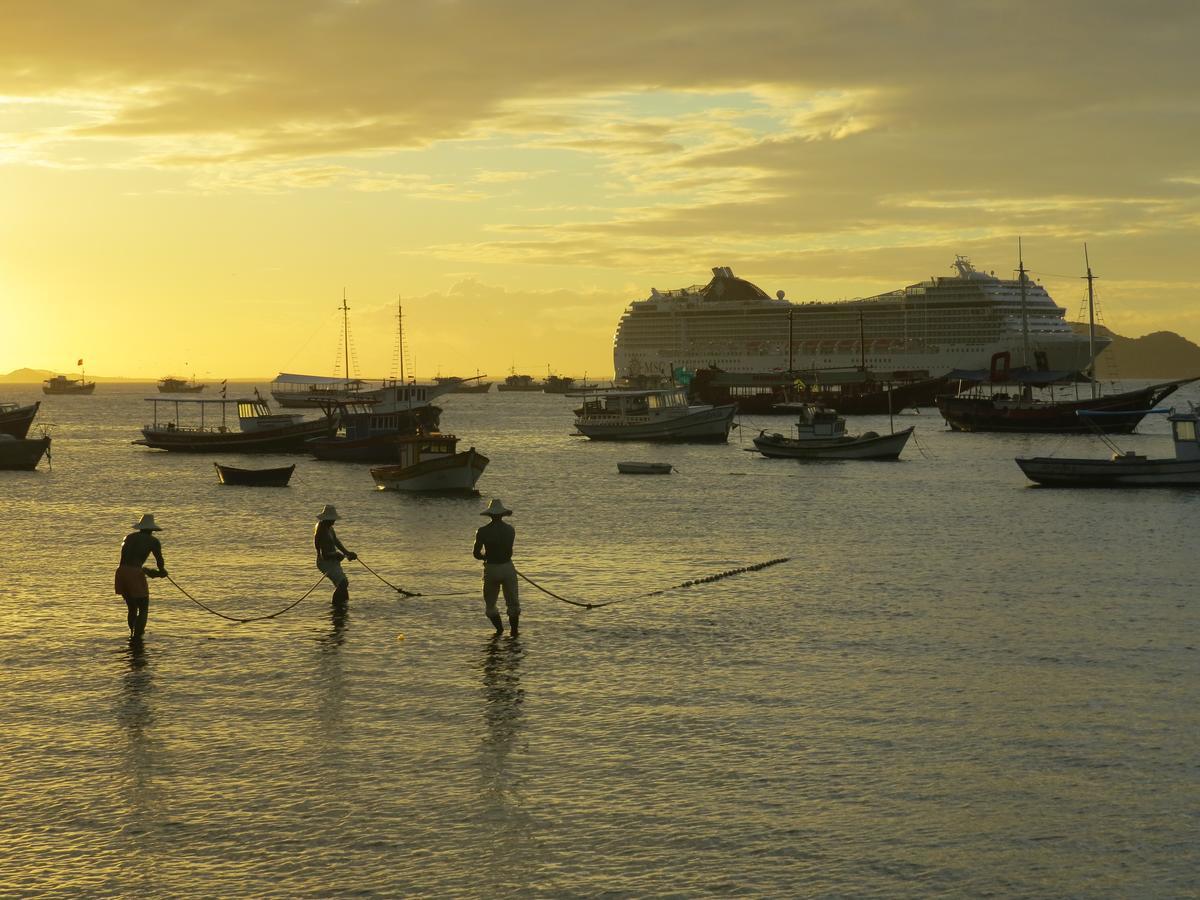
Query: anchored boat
{"x": 651, "y": 415}
{"x": 22, "y": 453}
{"x": 821, "y": 434}
{"x": 259, "y": 430}
{"x": 430, "y": 462}
{"x": 15, "y": 420}
{"x": 1125, "y": 468}
{"x": 277, "y": 477}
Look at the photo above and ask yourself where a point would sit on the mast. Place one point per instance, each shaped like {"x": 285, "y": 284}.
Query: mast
{"x": 1091, "y": 322}
{"x": 346, "y": 332}
{"x": 791, "y": 366}
{"x": 1024, "y": 312}
{"x": 862, "y": 343}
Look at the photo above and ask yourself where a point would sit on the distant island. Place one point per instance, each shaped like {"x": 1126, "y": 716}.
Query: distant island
{"x": 37, "y": 376}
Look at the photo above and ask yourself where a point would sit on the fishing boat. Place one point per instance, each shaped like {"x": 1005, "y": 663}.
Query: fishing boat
{"x": 22, "y": 454}
{"x": 515, "y": 382}
{"x": 644, "y": 468}
{"x": 651, "y": 415}
{"x": 821, "y": 434}
{"x": 856, "y": 392}
{"x": 259, "y": 430}
{"x": 367, "y": 428}
{"x": 277, "y": 477}
{"x": 431, "y": 463}
{"x": 62, "y": 385}
{"x": 1125, "y": 468}
{"x": 470, "y": 385}
{"x": 172, "y": 385}
{"x": 15, "y": 420}
{"x": 556, "y": 384}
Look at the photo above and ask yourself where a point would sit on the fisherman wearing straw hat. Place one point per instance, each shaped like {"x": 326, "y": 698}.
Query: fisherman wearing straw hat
{"x": 331, "y": 552}
{"x": 494, "y": 545}
{"x": 130, "y": 580}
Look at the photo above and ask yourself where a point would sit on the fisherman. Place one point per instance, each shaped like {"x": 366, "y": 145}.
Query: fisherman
{"x": 130, "y": 579}
{"x": 330, "y": 553}
{"x": 494, "y": 545}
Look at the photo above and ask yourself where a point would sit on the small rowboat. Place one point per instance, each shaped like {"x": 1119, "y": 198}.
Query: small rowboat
{"x": 644, "y": 468}
{"x": 254, "y": 477}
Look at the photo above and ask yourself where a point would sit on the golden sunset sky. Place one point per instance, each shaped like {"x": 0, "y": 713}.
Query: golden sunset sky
{"x": 191, "y": 186}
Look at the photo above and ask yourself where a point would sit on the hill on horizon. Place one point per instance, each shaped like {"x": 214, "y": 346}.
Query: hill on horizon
{"x": 1160, "y": 354}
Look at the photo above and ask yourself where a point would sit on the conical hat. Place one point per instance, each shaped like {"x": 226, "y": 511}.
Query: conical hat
{"x": 328, "y": 514}
{"x": 147, "y": 523}
{"x": 496, "y": 508}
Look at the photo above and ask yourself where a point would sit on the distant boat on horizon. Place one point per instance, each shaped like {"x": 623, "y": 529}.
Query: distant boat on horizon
{"x": 172, "y": 385}
{"x": 61, "y": 384}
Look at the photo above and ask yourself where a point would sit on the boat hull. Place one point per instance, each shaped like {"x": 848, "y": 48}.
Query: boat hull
{"x": 88, "y": 388}
{"x": 443, "y": 474}
{"x": 991, "y": 414}
{"x": 705, "y": 425}
{"x": 644, "y": 468}
{"x": 23, "y": 454}
{"x": 17, "y": 421}
{"x": 886, "y": 446}
{"x": 278, "y": 477}
{"x": 288, "y": 439}
{"x": 1121, "y": 472}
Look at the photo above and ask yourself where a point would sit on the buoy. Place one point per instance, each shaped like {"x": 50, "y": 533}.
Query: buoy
{"x": 400, "y": 636}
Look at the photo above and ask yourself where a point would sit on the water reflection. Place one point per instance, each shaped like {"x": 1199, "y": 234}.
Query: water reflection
{"x": 143, "y": 752}
{"x": 504, "y": 719}
{"x": 331, "y": 685}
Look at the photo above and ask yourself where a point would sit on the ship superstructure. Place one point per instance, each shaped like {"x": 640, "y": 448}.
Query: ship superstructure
{"x": 934, "y": 326}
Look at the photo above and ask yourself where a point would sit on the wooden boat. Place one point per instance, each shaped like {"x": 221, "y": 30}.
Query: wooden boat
{"x": 15, "y": 420}
{"x": 465, "y": 385}
{"x": 430, "y": 463}
{"x": 62, "y": 385}
{"x": 1016, "y": 409}
{"x": 173, "y": 385}
{"x": 821, "y": 434}
{"x": 367, "y": 432}
{"x": 557, "y": 384}
{"x": 651, "y": 415}
{"x": 22, "y": 453}
{"x": 515, "y": 382}
{"x": 260, "y": 431}
{"x": 857, "y": 392}
{"x": 644, "y": 468}
{"x": 1125, "y": 468}
{"x": 255, "y": 477}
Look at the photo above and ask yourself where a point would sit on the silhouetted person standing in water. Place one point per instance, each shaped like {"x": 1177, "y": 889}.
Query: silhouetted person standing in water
{"x": 494, "y": 545}
{"x": 330, "y": 553}
{"x": 130, "y": 580}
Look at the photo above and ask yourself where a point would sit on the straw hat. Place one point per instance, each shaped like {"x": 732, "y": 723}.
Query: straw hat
{"x": 328, "y": 514}
{"x": 496, "y": 508}
{"x": 147, "y": 523}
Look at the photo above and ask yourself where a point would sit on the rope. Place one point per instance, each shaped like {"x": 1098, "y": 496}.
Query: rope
{"x": 251, "y": 618}
{"x": 405, "y": 593}
{"x": 708, "y": 579}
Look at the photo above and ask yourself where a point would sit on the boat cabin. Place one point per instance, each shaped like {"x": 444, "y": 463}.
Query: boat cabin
{"x": 1184, "y": 432}
{"x": 421, "y": 448}
{"x": 626, "y": 405}
{"x": 253, "y": 415}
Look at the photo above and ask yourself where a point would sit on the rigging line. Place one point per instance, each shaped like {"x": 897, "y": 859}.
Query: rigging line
{"x": 319, "y": 327}
{"x": 251, "y": 618}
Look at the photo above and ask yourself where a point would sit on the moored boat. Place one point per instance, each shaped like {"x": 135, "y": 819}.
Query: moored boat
{"x": 651, "y": 415}
{"x": 821, "y": 434}
{"x": 277, "y": 477}
{"x": 1125, "y": 468}
{"x": 515, "y": 382}
{"x": 15, "y": 420}
{"x": 172, "y": 385}
{"x": 431, "y": 463}
{"x": 62, "y": 385}
{"x": 367, "y": 431}
{"x": 644, "y": 468}
{"x": 471, "y": 385}
{"x": 22, "y": 453}
{"x": 259, "y": 430}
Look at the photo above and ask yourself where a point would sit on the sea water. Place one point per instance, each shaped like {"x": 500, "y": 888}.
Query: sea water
{"x": 960, "y": 684}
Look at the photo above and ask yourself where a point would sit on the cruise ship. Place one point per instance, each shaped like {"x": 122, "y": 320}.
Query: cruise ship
{"x": 954, "y": 322}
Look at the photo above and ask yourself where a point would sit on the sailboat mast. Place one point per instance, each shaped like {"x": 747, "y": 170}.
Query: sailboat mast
{"x": 1091, "y": 323}
{"x": 791, "y": 366}
{"x": 346, "y": 333}
{"x": 1024, "y": 312}
{"x": 400, "y": 334}
{"x": 862, "y": 343}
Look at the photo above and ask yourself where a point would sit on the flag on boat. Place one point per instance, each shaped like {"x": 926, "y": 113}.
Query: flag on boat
{"x": 80, "y": 363}
{"x": 223, "y": 382}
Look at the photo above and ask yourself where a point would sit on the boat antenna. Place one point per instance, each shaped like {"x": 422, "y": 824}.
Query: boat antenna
{"x": 1091, "y": 321}
{"x": 1024, "y": 313}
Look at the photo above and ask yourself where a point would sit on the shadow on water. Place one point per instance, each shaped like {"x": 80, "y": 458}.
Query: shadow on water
{"x": 143, "y": 767}
{"x": 500, "y": 783}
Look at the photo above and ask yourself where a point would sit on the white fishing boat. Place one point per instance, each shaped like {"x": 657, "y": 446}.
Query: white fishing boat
{"x": 821, "y": 434}
{"x": 652, "y": 415}
{"x": 1125, "y": 468}
{"x": 431, "y": 463}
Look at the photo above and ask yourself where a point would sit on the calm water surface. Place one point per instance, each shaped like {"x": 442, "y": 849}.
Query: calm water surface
{"x": 960, "y": 685}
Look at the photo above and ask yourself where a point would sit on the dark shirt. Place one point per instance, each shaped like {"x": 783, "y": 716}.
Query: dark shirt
{"x": 138, "y": 546}
{"x": 494, "y": 542}
{"x": 326, "y": 541}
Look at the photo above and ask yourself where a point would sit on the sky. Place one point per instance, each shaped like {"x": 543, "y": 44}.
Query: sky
{"x": 193, "y": 187}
